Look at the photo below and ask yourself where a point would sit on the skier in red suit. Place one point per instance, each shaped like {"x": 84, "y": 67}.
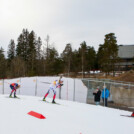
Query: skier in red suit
{"x": 13, "y": 87}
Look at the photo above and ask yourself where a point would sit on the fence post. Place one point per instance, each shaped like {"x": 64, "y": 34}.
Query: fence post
{"x": 104, "y": 94}
{"x": 36, "y": 87}
{"x": 3, "y": 86}
{"x": 74, "y": 91}
{"x": 88, "y": 84}
{"x": 87, "y": 92}
{"x": 60, "y": 93}
{"x": 67, "y": 89}
{"x": 20, "y": 86}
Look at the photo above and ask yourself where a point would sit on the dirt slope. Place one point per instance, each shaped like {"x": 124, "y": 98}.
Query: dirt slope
{"x": 127, "y": 77}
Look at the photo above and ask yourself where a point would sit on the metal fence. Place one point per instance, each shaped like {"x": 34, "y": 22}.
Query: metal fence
{"x": 73, "y": 89}
{"x": 80, "y": 90}
{"x": 121, "y": 93}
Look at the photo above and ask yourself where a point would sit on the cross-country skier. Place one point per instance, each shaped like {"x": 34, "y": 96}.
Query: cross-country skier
{"x": 53, "y": 86}
{"x": 13, "y": 87}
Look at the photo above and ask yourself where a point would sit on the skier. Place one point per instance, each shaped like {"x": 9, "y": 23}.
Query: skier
{"x": 53, "y": 86}
{"x": 13, "y": 87}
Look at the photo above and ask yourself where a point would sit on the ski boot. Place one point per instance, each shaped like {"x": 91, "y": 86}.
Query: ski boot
{"x": 53, "y": 101}
{"x": 44, "y": 99}
{"x": 15, "y": 96}
{"x": 10, "y": 96}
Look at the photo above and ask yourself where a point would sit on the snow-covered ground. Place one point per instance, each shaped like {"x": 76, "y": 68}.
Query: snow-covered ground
{"x": 67, "y": 118}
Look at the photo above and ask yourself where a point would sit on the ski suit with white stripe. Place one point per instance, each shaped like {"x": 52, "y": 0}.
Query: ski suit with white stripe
{"x": 53, "y": 87}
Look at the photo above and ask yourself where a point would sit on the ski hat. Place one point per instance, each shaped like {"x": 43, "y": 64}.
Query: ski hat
{"x": 54, "y": 82}
{"x": 18, "y": 86}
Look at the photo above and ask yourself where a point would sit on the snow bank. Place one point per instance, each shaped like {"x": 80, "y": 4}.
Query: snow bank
{"x": 67, "y": 118}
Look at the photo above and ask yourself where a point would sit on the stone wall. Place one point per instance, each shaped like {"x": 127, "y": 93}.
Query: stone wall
{"x": 123, "y": 96}
{"x": 119, "y": 93}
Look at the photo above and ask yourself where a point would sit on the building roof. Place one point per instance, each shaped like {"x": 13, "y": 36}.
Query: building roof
{"x": 126, "y": 51}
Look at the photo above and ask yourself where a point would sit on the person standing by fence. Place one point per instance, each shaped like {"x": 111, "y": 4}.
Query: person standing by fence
{"x": 97, "y": 95}
{"x": 105, "y": 95}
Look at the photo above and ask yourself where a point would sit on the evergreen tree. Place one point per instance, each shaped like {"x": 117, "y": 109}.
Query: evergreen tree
{"x": 11, "y": 50}
{"x": 66, "y": 56}
{"x": 58, "y": 66}
{"x": 2, "y": 64}
{"x": 22, "y": 48}
{"x": 38, "y": 48}
{"x": 17, "y": 68}
{"x": 51, "y": 65}
{"x": 26, "y": 50}
{"x": 23, "y": 45}
{"x": 31, "y": 53}
{"x": 83, "y": 53}
{"x": 39, "y": 59}
{"x": 47, "y": 46}
{"x": 108, "y": 53}
{"x": 90, "y": 58}
{"x": 76, "y": 61}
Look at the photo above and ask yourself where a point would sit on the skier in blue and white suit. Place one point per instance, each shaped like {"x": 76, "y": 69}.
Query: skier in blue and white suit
{"x": 53, "y": 86}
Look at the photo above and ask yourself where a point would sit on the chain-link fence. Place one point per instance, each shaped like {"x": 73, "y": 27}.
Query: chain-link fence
{"x": 121, "y": 93}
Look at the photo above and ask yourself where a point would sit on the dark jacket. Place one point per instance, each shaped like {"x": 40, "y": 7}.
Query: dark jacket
{"x": 97, "y": 95}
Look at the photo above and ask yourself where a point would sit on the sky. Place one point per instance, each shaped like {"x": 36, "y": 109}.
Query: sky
{"x": 68, "y": 21}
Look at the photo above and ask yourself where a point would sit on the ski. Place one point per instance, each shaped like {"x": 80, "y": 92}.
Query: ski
{"x": 127, "y": 116}
{"x": 13, "y": 97}
{"x": 51, "y": 102}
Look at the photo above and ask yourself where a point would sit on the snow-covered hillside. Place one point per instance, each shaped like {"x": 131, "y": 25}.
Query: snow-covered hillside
{"x": 67, "y": 118}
